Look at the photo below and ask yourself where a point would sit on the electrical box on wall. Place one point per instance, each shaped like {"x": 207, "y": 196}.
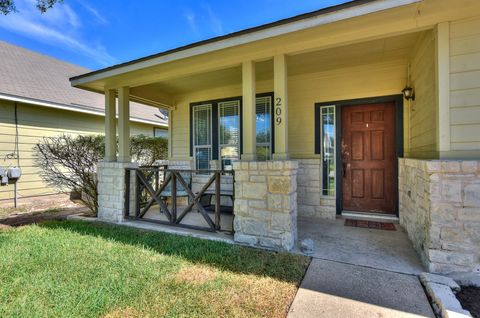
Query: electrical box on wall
{"x": 14, "y": 173}
{"x": 10, "y": 175}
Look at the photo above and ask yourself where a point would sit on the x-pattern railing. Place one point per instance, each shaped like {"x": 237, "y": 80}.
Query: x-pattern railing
{"x": 150, "y": 191}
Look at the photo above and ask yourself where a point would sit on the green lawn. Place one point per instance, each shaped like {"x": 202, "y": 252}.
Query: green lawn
{"x": 78, "y": 269}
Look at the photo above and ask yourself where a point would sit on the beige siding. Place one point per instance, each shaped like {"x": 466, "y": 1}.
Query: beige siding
{"x": 379, "y": 79}
{"x": 422, "y": 111}
{"x": 363, "y": 81}
{"x": 465, "y": 87}
{"x": 36, "y": 122}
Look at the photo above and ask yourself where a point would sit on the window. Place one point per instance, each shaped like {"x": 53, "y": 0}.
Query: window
{"x": 202, "y": 136}
{"x": 327, "y": 121}
{"x": 216, "y": 131}
{"x": 264, "y": 128}
{"x": 229, "y": 131}
{"x": 159, "y": 132}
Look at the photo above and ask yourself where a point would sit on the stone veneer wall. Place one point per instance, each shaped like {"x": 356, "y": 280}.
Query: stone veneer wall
{"x": 440, "y": 209}
{"x": 111, "y": 190}
{"x": 311, "y": 202}
{"x": 266, "y": 203}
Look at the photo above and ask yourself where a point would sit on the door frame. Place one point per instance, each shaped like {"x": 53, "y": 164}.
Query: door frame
{"x": 398, "y": 102}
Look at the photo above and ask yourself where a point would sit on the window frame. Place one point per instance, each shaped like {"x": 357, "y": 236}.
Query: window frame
{"x": 210, "y": 145}
{"x": 239, "y": 114}
{"x": 215, "y": 154}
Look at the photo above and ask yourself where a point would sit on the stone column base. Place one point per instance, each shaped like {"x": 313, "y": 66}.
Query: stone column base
{"x": 440, "y": 209}
{"x": 265, "y": 205}
{"x": 111, "y": 190}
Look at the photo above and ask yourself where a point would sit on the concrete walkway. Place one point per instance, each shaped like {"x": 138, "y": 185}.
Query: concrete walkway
{"x": 333, "y": 289}
{"x": 386, "y": 250}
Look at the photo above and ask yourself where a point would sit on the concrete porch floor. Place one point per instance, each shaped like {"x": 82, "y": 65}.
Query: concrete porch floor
{"x": 378, "y": 249}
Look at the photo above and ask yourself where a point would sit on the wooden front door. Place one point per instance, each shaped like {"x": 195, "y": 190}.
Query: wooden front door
{"x": 368, "y": 158}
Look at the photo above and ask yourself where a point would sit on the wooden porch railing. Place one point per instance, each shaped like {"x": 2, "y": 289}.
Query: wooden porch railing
{"x": 156, "y": 185}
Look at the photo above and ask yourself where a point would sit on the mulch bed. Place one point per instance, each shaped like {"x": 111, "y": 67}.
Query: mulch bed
{"x": 469, "y": 297}
{"x": 370, "y": 225}
{"x": 39, "y": 217}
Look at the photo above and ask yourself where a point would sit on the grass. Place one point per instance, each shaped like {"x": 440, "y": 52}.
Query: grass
{"x": 4, "y": 212}
{"x": 78, "y": 269}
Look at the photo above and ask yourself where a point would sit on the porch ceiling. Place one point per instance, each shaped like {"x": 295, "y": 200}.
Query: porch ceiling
{"x": 381, "y": 50}
{"x": 208, "y": 80}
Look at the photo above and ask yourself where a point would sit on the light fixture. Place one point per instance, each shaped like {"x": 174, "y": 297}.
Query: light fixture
{"x": 408, "y": 93}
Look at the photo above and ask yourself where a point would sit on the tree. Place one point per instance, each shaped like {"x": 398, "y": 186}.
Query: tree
{"x": 8, "y": 6}
{"x": 68, "y": 162}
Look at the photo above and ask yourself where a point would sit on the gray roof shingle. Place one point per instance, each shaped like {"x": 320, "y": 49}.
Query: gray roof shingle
{"x": 28, "y": 74}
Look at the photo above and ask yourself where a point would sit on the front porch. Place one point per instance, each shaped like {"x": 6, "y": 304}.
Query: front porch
{"x": 291, "y": 127}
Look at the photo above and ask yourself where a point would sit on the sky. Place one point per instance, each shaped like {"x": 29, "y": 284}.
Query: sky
{"x": 97, "y": 34}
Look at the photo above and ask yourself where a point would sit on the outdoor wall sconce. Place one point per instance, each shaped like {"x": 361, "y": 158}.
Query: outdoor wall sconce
{"x": 408, "y": 93}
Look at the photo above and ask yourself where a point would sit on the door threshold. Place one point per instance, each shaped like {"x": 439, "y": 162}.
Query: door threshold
{"x": 370, "y": 216}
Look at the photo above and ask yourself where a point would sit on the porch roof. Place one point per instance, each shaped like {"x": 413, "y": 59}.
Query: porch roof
{"x": 354, "y": 22}
{"x": 299, "y": 17}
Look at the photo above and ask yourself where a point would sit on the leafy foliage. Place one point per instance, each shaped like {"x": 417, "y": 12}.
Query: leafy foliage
{"x": 68, "y": 162}
{"x": 147, "y": 150}
{"x": 8, "y": 6}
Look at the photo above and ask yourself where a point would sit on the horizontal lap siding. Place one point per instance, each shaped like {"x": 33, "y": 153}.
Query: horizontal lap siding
{"x": 379, "y": 79}
{"x": 423, "y": 112}
{"x": 465, "y": 85}
{"x": 372, "y": 80}
{"x": 36, "y": 122}
{"x": 181, "y": 116}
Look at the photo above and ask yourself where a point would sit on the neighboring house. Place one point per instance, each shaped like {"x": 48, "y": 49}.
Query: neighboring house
{"x": 36, "y": 101}
{"x": 319, "y": 117}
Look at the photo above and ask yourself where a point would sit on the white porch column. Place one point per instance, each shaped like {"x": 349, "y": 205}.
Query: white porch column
{"x": 248, "y": 111}
{"x": 124, "y": 124}
{"x": 280, "y": 107}
{"x": 170, "y": 133}
{"x": 110, "y": 126}
{"x": 443, "y": 88}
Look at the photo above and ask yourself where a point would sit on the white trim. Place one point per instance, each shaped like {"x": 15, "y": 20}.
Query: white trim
{"x": 43, "y": 103}
{"x": 294, "y": 26}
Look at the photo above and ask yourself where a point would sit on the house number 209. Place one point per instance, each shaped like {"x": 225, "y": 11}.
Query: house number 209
{"x": 278, "y": 110}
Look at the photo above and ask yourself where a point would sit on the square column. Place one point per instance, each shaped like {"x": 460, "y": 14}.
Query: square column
{"x": 124, "y": 124}
{"x": 248, "y": 111}
{"x": 265, "y": 205}
{"x": 110, "y": 126}
{"x": 280, "y": 107}
{"x": 170, "y": 133}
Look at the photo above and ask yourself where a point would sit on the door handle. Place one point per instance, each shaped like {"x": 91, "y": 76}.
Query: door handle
{"x": 344, "y": 159}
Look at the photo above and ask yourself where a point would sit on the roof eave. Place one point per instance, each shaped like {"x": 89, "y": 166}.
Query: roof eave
{"x": 317, "y": 18}
{"x": 53, "y": 105}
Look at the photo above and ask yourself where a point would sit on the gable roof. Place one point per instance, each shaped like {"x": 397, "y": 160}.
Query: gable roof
{"x": 292, "y": 24}
{"x": 34, "y": 78}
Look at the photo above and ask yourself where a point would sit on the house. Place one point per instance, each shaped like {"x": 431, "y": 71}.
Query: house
{"x": 371, "y": 107}
{"x": 36, "y": 101}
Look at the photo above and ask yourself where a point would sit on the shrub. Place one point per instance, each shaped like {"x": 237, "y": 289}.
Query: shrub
{"x": 68, "y": 162}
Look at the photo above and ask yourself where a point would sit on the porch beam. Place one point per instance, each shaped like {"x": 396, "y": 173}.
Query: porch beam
{"x": 110, "y": 126}
{"x": 280, "y": 87}
{"x": 124, "y": 124}
{"x": 248, "y": 111}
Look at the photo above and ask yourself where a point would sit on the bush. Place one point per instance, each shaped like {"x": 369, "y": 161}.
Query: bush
{"x": 68, "y": 162}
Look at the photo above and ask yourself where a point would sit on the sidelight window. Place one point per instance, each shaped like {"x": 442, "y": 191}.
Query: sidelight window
{"x": 327, "y": 121}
